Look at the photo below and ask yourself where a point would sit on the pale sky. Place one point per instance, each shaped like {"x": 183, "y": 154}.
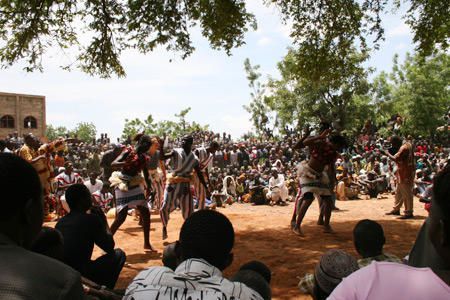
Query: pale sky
{"x": 213, "y": 84}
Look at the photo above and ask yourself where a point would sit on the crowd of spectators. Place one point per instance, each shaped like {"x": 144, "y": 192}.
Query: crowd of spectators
{"x": 246, "y": 171}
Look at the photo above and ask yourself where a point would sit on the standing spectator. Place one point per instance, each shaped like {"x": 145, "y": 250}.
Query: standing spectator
{"x": 404, "y": 158}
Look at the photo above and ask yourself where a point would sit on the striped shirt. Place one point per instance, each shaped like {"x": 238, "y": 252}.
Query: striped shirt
{"x": 193, "y": 279}
{"x": 183, "y": 164}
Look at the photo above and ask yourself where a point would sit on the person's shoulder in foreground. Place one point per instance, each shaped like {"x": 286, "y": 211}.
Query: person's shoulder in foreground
{"x": 26, "y": 275}
{"x": 387, "y": 280}
{"x": 202, "y": 253}
{"x": 384, "y": 280}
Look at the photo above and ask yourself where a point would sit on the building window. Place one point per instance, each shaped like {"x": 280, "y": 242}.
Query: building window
{"x": 7, "y": 122}
{"x": 30, "y": 122}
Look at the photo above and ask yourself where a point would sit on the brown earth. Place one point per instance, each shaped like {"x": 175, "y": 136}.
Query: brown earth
{"x": 263, "y": 233}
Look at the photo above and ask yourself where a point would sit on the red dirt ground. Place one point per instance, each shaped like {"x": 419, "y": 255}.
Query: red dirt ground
{"x": 263, "y": 233}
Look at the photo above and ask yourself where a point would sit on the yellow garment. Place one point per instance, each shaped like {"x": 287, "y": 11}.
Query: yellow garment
{"x": 178, "y": 179}
{"x": 27, "y": 153}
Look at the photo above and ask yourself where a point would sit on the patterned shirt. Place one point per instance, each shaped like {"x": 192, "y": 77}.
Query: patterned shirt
{"x": 306, "y": 284}
{"x": 193, "y": 279}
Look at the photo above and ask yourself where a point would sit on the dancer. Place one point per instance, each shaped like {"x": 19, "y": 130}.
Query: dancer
{"x": 128, "y": 185}
{"x": 205, "y": 157}
{"x": 314, "y": 179}
{"x": 177, "y": 192}
{"x": 156, "y": 171}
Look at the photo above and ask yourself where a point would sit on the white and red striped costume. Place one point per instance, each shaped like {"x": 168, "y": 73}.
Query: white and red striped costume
{"x": 104, "y": 200}
{"x": 64, "y": 181}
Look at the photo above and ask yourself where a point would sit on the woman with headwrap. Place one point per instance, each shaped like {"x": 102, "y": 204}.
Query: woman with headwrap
{"x": 128, "y": 185}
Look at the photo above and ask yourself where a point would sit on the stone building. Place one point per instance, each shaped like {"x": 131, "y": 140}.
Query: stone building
{"x": 22, "y": 114}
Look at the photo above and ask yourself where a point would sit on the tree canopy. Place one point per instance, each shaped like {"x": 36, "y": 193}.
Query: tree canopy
{"x": 169, "y": 128}
{"x": 418, "y": 89}
{"x": 84, "y": 131}
{"x": 335, "y": 92}
{"x": 101, "y": 30}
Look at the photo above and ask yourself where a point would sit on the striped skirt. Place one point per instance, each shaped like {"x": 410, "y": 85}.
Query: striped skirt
{"x": 131, "y": 198}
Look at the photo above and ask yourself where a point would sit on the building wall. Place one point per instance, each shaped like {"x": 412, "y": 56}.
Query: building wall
{"x": 20, "y": 106}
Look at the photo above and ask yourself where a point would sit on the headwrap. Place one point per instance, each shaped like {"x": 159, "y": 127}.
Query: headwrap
{"x": 334, "y": 266}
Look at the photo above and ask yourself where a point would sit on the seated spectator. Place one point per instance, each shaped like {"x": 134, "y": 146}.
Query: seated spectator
{"x": 81, "y": 230}
{"x": 278, "y": 192}
{"x": 334, "y": 265}
{"x": 368, "y": 237}
{"x": 24, "y": 274}
{"x": 385, "y": 280}
{"x": 50, "y": 243}
{"x": 258, "y": 267}
{"x": 257, "y": 188}
{"x": 346, "y": 189}
{"x": 255, "y": 281}
{"x": 103, "y": 198}
{"x": 93, "y": 184}
{"x": 204, "y": 250}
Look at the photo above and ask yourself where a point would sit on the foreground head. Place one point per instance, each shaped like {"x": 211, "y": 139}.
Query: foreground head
{"x": 50, "y": 243}
{"x": 439, "y": 229}
{"x": 259, "y": 268}
{"x": 208, "y": 235}
{"x": 368, "y": 237}
{"x": 78, "y": 198}
{"x": 334, "y": 265}
{"x": 255, "y": 281}
{"x": 21, "y": 215}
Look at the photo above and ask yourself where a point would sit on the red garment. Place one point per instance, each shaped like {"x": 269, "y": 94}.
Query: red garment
{"x": 134, "y": 162}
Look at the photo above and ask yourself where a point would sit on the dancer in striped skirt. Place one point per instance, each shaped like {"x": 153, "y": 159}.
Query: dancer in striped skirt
{"x": 317, "y": 176}
{"x": 128, "y": 185}
{"x": 177, "y": 192}
{"x": 205, "y": 157}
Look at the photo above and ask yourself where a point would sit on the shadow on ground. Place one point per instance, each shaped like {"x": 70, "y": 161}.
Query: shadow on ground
{"x": 290, "y": 256}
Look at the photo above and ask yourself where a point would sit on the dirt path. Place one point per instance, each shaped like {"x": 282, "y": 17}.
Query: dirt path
{"x": 263, "y": 233}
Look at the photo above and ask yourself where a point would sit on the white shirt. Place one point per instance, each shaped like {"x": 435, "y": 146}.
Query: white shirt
{"x": 94, "y": 187}
{"x": 193, "y": 279}
{"x": 279, "y": 182}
